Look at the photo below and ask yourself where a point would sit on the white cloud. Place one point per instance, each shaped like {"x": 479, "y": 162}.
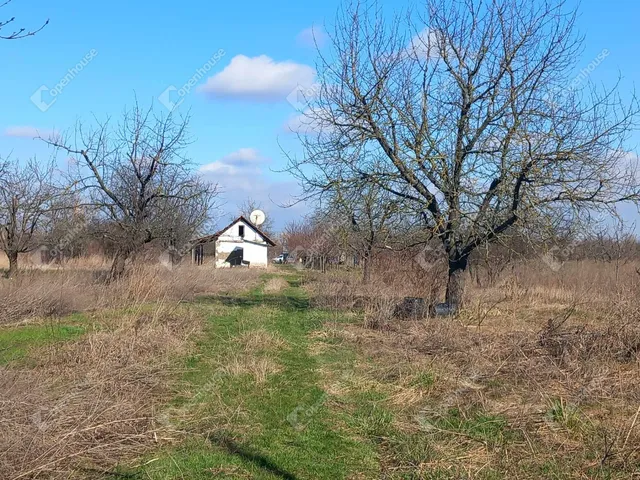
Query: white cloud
{"x": 297, "y": 123}
{"x": 241, "y": 162}
{"x": 304, "y": 124}
{"x": 243, "y": 156}
{"x": 240, "y": 176}
{"x": 258, "y": 78}
{"x": 312, "y": 37}
{"x": 424, "y": 45}
{"x": 28, "y": 132}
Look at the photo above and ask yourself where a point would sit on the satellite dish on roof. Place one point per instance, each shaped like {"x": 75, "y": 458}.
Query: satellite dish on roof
{"x": 257, "y": 217}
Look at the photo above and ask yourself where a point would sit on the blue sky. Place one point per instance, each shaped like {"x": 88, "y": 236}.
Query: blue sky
{"x": 256, "y": 52}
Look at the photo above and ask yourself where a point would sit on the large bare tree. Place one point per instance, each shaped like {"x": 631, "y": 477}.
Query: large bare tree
{"x": 28, "y": 197}
{"x": 137, "y": 178}
{"x": 473, "y": 109}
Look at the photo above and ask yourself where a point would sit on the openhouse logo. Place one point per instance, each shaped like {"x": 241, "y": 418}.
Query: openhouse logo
{"x": 172, "y": 97}
{"x": 44, "y": 97}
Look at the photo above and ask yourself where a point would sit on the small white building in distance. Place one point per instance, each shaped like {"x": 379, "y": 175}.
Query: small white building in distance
{"x": 239, "y": 244}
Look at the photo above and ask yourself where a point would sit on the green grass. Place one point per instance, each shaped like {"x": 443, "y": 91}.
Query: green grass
{"x": 289, "y": 426}
{"x": 276, "y": 389}
{"x": 492, "y": 430}
{"x": 565, "y": 415}
{"x": 423, "y": 380}
{"x": 282, "y": 427}
{"x": 17, "y": 342}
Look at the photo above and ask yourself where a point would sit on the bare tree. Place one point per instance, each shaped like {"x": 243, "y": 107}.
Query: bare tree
{"x": 16, "y": 33}
{"x": 139, "y": 182}
{"x": 613, "y": 244}
{"x": 27, "y": 198}
{"x": 314, "y": 242}
{"x": 471, "y": 109}
{"x": 371, "y": 218}
{"x": 69, "y": 224}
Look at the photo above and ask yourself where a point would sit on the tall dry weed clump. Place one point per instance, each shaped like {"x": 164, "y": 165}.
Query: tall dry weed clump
{"x": 536, "y": 281}
{"x": 154, "y": 282}
{"x": 393, "y": 278}
{"x": 85, "y": 405}
{"x": 38, "y": 293}
{"x": 78, "y": 408}
{"x": 43, "y": 294}
{"x": 275, "y": 285}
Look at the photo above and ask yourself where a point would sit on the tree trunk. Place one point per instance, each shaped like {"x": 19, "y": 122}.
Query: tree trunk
{"x": 366, "y": 267}
{"x": 117, "y": 268}
{"x": 455, "y": 284}
{"x": 13, "y": 264}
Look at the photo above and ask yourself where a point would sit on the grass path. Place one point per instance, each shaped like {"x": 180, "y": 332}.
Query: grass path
{"x": 278, "y": 389}
{"x": 253, "y": 405}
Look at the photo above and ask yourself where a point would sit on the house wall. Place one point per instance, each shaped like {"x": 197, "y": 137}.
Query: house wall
{"x": 254, "y": 247}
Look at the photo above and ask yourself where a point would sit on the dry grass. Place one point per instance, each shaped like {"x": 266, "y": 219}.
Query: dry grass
{"x": 556, "y": 354}
{"x": 260, "y": 341}
{"x": 91, "y": 401}
{"x": 253, "y": 355}
{"x": 519, "y": 376}
{"x": 39, "y": 293}
{"x": 78, "y": 408}
{"x": 275, "y": 285}
{"x": 258, "y": 367}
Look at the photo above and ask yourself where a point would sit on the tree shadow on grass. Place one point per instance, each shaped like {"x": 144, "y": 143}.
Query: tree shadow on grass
{"x": 248, "y": 455}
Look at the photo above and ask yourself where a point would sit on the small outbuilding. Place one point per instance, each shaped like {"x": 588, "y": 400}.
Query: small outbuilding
{"x": 240, "y": 243}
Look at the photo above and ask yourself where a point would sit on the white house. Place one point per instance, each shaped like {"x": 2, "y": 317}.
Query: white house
{"x": 239, "y": 244}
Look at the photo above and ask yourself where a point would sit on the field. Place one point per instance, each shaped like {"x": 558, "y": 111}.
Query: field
{"x": 201, "y": 374}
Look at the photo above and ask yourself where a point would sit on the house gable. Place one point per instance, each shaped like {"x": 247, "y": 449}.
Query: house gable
{"x": 231, "y": 232}
{"x": 242, "y": 231}
{"x": 239, "y": 243}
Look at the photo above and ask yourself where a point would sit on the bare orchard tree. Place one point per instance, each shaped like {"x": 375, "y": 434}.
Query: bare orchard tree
{"x": 27, "y": 199}
{"x": 315, "y": 241}
{"x": 136, "y": 177}
{"x": 15, "y": 33}
{"x": 472, "y": 109}
{"x": 370, "y": 219}
{"x": 68, "y": 234}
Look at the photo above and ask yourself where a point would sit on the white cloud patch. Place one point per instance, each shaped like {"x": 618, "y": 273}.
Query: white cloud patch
{"x": 425, "y": 45}
{"x": 307, "y": 123}
{"x": 241, "y": 162}
{"x": 240, "y": 176}
{"x": 28, "y": 132}
{"x": 312, "y": 37}
{"x": 258, "y": 78}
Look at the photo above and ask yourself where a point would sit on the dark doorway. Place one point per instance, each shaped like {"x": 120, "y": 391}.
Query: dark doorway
{"x": 236, "y": 257}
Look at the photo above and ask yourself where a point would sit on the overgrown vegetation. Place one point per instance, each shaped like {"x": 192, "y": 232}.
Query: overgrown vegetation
{"x": 282, "y": 378}
{"x": 451, "y": 155}
{"x": 81, "y": 392}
